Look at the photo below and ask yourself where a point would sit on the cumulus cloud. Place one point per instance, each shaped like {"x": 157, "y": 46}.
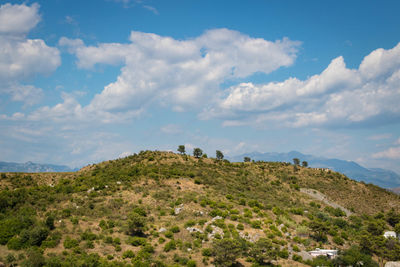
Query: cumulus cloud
{"x": 22, "y": 58}
{"x": 181, "y": 74}
{"x": 337, "y": 96}
{"x": 18, "y": 19}
{"x": 390, "y": 153}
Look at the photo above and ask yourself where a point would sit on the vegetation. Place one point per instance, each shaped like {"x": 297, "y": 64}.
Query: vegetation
{"x": 166, "y": 209}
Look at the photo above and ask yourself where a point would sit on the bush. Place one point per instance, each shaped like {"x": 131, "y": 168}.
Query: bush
{"x": 240, "y": 227}
{"x": 137, "y": 241}
{"x": 35, "y": 259}
{"x": 175, "y": 229}
{"x": 88, "y": 235}
{"x": 15, "y": 243}
{"x": 296, "y": 257}
{"x": 128, "y": 254}
{"x": 190, "y": 223}
{"x": 70, "y": 243}
{"x": 171, "y": 245}
{"x": 284, "y": 254}
{"x": 169, "y": 234}
{"x": 206, "y": 252}
{"x": 338, "y": 240}
{"x": 191, "y": 263}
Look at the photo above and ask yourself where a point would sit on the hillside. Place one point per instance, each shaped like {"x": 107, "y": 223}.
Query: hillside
{"x": 377, "y": 176}
{"x": 165, "y": 209}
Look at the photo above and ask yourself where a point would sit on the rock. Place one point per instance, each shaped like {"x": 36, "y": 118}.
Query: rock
{"x": 178, "y": 210}
{"x": 118, "y": 182}
{"x": 216, "y": 218}
{"x": 251, "y": 238}
{"x": 392, "y": 264}
{"x": 194, "y": 229}
{"x": 305, "y": 255}
{"x": 162, "y": 230}
{"x": 216, "y": 230}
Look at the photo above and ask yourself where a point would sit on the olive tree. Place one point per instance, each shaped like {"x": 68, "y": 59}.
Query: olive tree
{"x": 197, "y": 152}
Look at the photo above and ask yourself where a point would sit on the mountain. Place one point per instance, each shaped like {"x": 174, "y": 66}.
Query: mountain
{"x": 32, "y": 167}
{"x": 169, "y": 210}
{"x": 381, "y": 177}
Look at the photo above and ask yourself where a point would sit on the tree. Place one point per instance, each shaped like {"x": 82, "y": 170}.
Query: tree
{"x": 296, "y": 161}
{"x": 393, "y": 217}
{"x": 247, "y": 159}
{"x": 219, "y": 155}
{"x": 319, "y": 229}
{"x": 197, "y": 152}
{"x": 354, "y": 257}
{"x": 181, "y": 149}
{"x": 263, "y": 251}
{"x": 304, "y": 164}
{"x": 136, "y": 224}
{"x": 226, "y": 251}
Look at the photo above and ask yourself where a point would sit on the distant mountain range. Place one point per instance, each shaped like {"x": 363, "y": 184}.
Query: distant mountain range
{"x": 32, "y": 167}
{"x": 381, "y": 177}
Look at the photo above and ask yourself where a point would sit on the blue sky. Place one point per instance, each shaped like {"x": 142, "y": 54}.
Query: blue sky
{"x": 86, "y": 81}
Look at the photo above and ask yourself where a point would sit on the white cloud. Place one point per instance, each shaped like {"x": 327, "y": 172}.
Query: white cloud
{"x": 337, "y": 96}
{"x": 18, "y": 19}
{"x": 379, "y": 136}
{"x": 26, "y": 93}
{"x": 390, "y": 153}
{"x": 22, "y": 58}
{"x": 181, "y": 74}
{"x": 397, "y": 142}
{"x": 171, "y": 129}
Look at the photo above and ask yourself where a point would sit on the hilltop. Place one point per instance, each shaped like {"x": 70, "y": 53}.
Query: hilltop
{"x": 164, "y": 209}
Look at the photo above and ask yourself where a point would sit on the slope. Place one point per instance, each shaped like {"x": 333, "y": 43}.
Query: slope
{"x": 164, "y": 209}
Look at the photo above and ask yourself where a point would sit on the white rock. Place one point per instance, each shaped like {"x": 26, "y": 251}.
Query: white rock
{"x": 162, "y": 230}
{"x": 194, "y": 229}
{"x": 392, "y": 264}
{"x": 178, "y": 210}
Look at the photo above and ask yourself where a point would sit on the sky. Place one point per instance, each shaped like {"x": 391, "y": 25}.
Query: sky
{"x": 87, "y": 81}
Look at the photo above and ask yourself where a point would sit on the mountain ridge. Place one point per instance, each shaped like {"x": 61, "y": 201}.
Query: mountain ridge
{"x": 378, "y": 176}
{"x": 33, "y": 167}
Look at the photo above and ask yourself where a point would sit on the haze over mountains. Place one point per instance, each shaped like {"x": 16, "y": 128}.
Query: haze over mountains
{"x": 381, "y": 177}
{"x": 32, "y": 167}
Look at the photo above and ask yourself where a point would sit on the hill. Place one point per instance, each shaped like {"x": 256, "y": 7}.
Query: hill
{"x": 165, "y": 209}
{"x": 32, "y": 167}
{"x": 377, "y": 176}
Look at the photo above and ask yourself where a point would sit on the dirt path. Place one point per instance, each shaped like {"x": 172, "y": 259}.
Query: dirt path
{"x": 318, "y": 195}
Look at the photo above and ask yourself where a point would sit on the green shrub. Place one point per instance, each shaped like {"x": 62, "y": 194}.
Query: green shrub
{"x": 338, "y": 240}
{"x": 190, "y": 223}
{"x": 70, "y": 243}
{"x": 256, "y": 224}
{"x": 284, "y": 254}
{"x": 296, "y": 257}
{"x": 206, "y": 252}
{"x": 15, "y": 243}
{"x": 169, "y": 234}
{"x": 171, "y": 245}
{"x": 191, "y": 263}
{"x": 128, "y": 254}
{"x": 137, "y": 241}
{"x": 175, "y": 229}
